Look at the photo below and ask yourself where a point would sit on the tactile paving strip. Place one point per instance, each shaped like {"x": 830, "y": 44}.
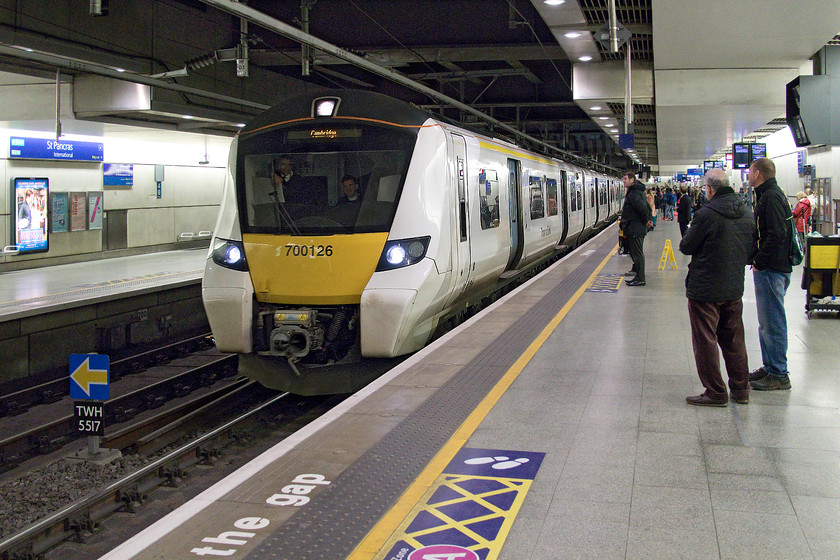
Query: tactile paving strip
{"x": 339, "y": 517}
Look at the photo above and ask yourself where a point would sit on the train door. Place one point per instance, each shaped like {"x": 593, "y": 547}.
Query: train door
{"x": 516, "y": 227}
{"x": 463, "y": 254}
{"x": 564, "y": 204}
{"x": 598, "y": 216}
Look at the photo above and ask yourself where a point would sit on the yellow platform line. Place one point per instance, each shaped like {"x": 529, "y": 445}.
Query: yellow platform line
{"x": 390, "y": 522}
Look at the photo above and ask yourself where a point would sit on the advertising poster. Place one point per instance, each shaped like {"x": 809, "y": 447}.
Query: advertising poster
{"x": 58, "y": 212}
{"x": 77, "y": 211}
{"x": 31, "y": 221}
{"x": 117, "y": 174}
{"x": 94, "y": 210}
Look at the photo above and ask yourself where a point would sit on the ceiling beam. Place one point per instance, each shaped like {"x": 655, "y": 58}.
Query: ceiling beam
{"x": 459, "y": 75}
{"x": 401, "y": 57}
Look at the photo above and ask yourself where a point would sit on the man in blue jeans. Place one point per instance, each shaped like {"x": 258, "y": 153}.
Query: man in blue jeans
{"x": 771, "y": 274}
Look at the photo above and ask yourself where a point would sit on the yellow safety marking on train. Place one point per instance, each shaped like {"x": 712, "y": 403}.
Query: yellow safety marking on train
{"x": 389, "y": 523}
{"x": 511, "y": 152}
{"x": 322, "y": 270}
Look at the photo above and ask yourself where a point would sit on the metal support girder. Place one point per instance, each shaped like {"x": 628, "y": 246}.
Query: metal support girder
{"x": 277, "y": 26}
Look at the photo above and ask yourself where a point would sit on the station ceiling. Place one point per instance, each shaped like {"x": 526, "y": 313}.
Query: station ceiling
{"x": 717, "y": 68}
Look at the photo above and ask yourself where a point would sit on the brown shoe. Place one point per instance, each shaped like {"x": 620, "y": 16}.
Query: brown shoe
{"x": 740, "y": 398}
{"x": 760, "y": 373}
{"x": 705, "y": 400}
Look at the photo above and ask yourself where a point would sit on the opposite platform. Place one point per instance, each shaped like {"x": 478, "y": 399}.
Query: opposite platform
{"x": 33, "y": 291}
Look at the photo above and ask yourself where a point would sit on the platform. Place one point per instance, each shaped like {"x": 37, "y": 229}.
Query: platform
{"x": 552, "y": 425}
{"x": 103, "y": 306}
{"x": 24, "y": 293}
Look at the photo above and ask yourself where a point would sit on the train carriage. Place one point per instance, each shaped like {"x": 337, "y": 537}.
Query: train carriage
{"x": 301, "y": 274}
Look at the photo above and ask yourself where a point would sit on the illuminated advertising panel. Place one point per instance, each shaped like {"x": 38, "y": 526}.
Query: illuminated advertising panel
{"x": 31, "y": 216}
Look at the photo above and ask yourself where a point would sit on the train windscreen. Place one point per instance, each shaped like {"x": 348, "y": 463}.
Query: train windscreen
{"x": 322, "y": 180}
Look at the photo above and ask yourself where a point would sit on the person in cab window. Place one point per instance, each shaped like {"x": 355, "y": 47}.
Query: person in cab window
{"x": 287, "y": 183}
{"x": 350, "y": 191}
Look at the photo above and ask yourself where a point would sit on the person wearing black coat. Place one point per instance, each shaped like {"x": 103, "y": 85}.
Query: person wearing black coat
{"x": 721, "y": 244}
{"x": 635, "y": 220}
{"x": 771, "y": 275}
{"x": 684, "y": 205}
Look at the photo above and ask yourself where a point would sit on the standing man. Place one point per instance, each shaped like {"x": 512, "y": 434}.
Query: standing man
{"x": 771, "y": 274}
{"x": 635, "y": 219}
{"x": 684, "y": 210}
{"x": 720, "y": 242}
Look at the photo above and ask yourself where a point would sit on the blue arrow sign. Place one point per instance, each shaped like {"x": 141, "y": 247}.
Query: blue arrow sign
{"x": 89, "y": 377}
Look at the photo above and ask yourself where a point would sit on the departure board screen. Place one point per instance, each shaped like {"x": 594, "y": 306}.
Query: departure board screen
{"x": 740, "y": 155}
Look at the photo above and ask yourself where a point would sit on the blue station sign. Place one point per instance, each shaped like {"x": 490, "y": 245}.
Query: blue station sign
{"x": 61, "y": 149}
{"x": 89, "y": 377}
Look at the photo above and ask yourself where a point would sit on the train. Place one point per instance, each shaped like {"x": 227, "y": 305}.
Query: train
{"x": 351, "y": 223}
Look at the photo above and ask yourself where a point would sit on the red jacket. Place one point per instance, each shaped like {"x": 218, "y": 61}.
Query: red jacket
{"x": 802, "y": 214}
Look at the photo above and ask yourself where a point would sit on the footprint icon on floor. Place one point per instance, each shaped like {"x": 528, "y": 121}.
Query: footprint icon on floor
{"x": 501, "y": 462}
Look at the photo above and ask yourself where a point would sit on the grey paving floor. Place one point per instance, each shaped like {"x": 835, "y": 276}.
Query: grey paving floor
{"x": 634, "y": 472}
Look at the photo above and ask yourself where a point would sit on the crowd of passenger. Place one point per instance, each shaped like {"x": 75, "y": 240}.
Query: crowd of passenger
{"x": 724, "y": 231}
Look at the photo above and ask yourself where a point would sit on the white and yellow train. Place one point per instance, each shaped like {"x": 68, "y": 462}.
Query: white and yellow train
{"x": 300, "y": 276}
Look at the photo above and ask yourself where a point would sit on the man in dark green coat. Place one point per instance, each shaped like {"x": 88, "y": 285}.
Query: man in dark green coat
{"x": 720, "y": 241}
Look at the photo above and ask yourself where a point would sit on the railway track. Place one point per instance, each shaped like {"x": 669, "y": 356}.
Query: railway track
{"x": 52, "y": 435}
{"x": 19, "y": 401}
{"x": 83, "y": 517}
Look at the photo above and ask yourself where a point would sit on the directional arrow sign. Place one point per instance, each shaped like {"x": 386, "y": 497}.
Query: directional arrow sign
{"x": 89, "y": 377}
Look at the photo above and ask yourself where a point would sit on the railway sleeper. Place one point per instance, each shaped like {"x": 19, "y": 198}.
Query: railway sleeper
{"x": 47, "y": 396}
{"x": 8, "y": 463}
{"x": 131, "y": 498}
{"x": 208, "y": 455}
{"x": 82, "y": 527}
{"x": 172, "y": 475}
{"x": 42, "y": 445}
{"x": 182, "y": 389}
{"x": 154, "y": 401}
{"x": 12, "y": 408}
{"x": 22, "y": 552}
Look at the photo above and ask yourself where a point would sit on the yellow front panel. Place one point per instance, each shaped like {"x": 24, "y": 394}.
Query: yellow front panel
{"x": 324, "y": 270}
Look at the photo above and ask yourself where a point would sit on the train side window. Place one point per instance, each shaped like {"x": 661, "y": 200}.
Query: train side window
{"x": 551, "y": 196}
{"x": 488, "y": 198}
{"x": 537, "y": 201}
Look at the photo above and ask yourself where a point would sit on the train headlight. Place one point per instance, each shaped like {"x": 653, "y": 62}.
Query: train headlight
{"x": 230, "y": 254}
{"x": 402, "y": 252}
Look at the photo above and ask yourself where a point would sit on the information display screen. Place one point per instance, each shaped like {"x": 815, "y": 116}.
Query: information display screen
{"x": 740, "y": 155}
{"x": 757, "y": 151}
{"x": 31, "y": 215}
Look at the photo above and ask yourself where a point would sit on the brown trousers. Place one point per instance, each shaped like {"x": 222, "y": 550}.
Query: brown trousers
{"x": 713, "y": 324}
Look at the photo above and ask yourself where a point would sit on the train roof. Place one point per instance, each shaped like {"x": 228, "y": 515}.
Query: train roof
{"x": 357, "y": 103}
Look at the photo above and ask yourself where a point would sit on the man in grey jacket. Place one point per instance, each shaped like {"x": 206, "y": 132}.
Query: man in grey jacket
{"x": 720, "y": 242}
